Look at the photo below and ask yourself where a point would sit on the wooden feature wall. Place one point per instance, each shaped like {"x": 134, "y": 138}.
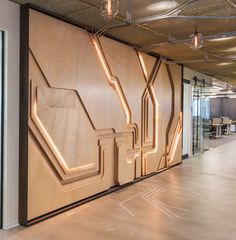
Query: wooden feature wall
{"x": 99, "y": 114}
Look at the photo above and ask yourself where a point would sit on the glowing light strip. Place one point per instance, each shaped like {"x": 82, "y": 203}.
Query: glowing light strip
{"x": 113, "y": 83}
{"x": 155, "y": 108}
{"x": 53, "y": 147}
{"x": 105, "y": 68}
{"x": 156, "y": 118}
{"x": 176, "y": 138}
{"x": 143, "y": 65}
{"x": 49, "y": 139}
{"x": 109, "y": 7}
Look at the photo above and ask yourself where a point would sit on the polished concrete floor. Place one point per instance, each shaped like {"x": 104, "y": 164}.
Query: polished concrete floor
{"x": 223, "y": 140}
{"x": 193, "y": 201}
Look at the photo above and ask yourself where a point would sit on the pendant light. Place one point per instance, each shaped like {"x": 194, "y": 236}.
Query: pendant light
{"x": 109, "y": 9}
{"x": 196, "y": 40}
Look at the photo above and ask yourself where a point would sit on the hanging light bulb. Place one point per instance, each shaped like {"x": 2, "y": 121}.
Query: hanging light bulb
{"x": 109, "y": 9}
{"x": 196, "y": 41}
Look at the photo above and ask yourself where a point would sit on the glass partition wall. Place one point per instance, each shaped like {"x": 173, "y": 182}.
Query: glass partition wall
{"x": 201, "y": 117}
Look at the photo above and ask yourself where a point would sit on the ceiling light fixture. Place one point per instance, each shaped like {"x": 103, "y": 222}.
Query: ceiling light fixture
{"x": 196, "y": 40}
{"x": 109, "y": 9}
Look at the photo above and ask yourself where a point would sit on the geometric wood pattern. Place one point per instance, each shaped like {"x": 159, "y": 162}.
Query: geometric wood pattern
{"x": 100, "y": 114}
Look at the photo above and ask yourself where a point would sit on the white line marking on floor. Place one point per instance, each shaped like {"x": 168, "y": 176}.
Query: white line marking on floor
{"x": 130, "y": 198}
{"x": 148, "y": 196}
{"x": 156, "y": 206}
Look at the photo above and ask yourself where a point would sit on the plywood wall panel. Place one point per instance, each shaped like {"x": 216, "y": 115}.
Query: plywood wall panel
{"x": 178, "y": 153}
{"x": 62, "y": 108}
{"x": 149, "y": 62}
{"x": 119, "y": 56}
{"x": 163, "y": 89}
{"x": 45, "y": 191}
{"x": 175, "y": 71}
{"x": 58, "y": 107}
{"x": 100, "y": 114}
{"x": 58, "y": 54}
{"x": 54, "y": 44}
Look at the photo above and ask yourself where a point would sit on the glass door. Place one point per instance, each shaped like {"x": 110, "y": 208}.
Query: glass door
{"x": 201, "y": 115}
{"x": 197, "y": 122}
{"x": 205, "y": 113}
{"x": 1, "y": 116}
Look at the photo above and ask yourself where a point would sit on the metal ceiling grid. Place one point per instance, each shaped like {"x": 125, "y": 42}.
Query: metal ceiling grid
{"x": 60, "y": 7}
{"x": 213, "y": 69}
{"x": 208, "y": 7}
{"x": 141, "y": 8}
{"x": 227, "y": 47}
{"x": 170, "y": 34}
{"x": 91, "y": 17}
{"x": 182, "y": 28}
{"x": 139, "y": 36}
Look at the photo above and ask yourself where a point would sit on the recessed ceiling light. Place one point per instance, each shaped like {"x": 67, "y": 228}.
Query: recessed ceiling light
{"x": 224, "y": 63}
{"x": 164, "y": 5}
{"x": 221, "y": 39}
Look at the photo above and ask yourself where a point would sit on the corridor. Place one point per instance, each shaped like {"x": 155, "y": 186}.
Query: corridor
{"x": 195, "y": 200}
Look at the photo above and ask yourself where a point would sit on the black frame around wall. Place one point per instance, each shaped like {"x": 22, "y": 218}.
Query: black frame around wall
{"x": 2, "y": 72}
{"x": 23, "y": 123}
{"x": 23, "y": 115}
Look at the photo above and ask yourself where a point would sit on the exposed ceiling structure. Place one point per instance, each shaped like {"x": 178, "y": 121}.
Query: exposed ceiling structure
{"x": 218, "y": 89}
{"x": 163, "y": 27}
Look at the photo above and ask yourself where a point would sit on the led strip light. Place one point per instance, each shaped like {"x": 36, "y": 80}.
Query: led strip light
{"x": 178, "y": 131}
{"x": 143, "y": 67}
{"x": 155, "y": 107}
{"x": 114, "y": 82}
{"x": 34, "y": 113}
{"x": 174, "y": 144}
